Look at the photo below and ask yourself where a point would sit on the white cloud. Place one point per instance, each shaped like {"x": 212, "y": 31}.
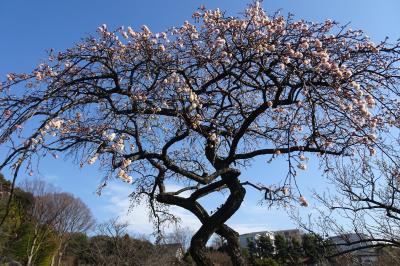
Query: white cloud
{"x": 119, "y": 205}
{"x": 250, "y": 217}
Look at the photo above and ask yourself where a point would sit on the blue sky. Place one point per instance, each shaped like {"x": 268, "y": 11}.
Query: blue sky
{"x": 27, "y": 28}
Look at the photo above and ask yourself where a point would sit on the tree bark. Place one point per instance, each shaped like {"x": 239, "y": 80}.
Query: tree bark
{"x": 32, "y": 251}
{"x": 215, "y": 223}
{"x": 234, "y": 250}
{"x": 217, "y": 220}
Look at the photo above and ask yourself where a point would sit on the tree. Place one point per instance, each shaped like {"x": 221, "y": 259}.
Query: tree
{"x": 295, "y": 251}
{"x": 315, "y": 248}
{"x": 74, "y": 218}
{"x": 113, "y": 246}
{"x": 40, "y": 222}
{"x": 180, "y": 235}
{"x": 262, "y": 251}
{"x": 265, "y": 247}
{"x": 197, "y": 103}
{"x": 10, "y": 230}
{"x": 50, "y": 220}
{"x": 310, "y": 248}
{"x": 37, "y": 234}
{"x": 366, "y": 198}
{"x": 252, "y": 248}
{"x": 282, "y": 249}
{"x": 79, "y": 249}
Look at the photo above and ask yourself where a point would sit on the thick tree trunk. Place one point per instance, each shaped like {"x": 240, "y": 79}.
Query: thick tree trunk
{"x": 215, "y": 223}
{"x": 234, "y": 250}
{"x": 198, "y": 250}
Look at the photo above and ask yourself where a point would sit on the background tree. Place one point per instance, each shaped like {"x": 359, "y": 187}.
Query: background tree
{"x": 113, "y": 246}
{"x": 310, "y": 249}
{"x": 197, "y": 103}
{"x": 265, "y": 247}
{"x": 37, "y": 234}
{"x": 252, "y": 248}
{"x": 74, "y": 218}
{"x": 295, "y": 251}
{"x": 281, "y": 249}
{"x": 79, "y": 249}
{"x": 180, "y": 235}
{"x": 40, "y": 222}
{"x": 315, "y": 248}
{"x": 365, "y": 204}
{"x": 11, "y": 229}
{"x": 262, "y": 252}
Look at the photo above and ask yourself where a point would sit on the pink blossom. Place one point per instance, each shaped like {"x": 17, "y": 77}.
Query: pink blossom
{"x": 10, "y": 77}
{"x": 302, "y": 166}
{"x": 7, "y": 113}
{"x": 303, "y": 201}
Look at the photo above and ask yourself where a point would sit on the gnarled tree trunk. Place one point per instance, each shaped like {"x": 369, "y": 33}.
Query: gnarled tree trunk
{"x": 214, "y": 223}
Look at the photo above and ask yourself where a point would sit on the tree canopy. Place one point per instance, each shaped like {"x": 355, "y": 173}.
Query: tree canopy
{"x": 196, "y": 103}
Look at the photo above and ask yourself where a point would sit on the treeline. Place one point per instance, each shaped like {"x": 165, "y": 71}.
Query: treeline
{"x": 40, "y": 222}
{"x": 308, "y": 250}
{"x": 45, "y": 226}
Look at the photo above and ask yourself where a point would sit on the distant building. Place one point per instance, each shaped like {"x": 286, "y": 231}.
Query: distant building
{"x": 254, "y": 236}
{"x": 357, "y": 242}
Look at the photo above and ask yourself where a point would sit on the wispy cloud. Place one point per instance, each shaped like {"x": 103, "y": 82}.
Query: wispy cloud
{"x": 251, "y": 217}
{"x": 138, "y": 216}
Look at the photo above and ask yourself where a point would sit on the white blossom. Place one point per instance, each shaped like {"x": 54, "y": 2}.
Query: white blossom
{"x": 124, "y": 176}
{"x": 302, "y": 157}
{"x": 93, "y": 159}
{"x": 302, "y": 166}
{"x": 303, "y": 201}
{"x": 56, "y": 123}
{"x": 110, "y": 137}
{"x": 126, "y": 163}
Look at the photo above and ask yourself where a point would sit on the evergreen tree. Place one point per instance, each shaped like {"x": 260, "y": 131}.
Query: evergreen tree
{"x": 265, "y": 247}
{"x": 314, "y": 248}
{"x": 282, "y": 250}
{"x": 295, "y": 251}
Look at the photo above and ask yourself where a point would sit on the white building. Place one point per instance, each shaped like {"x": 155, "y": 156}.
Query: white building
{"x": 254, "y": 236}
{"x": 359, "y": 243}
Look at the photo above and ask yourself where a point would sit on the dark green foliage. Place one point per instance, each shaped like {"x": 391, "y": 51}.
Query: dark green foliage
{"x": 252, "y": 250}
{"x": 261, "y": 252}
{"x": 266, "y": 262}
{"x": 22, "y": 237}
{"x": 295, "y": 251}
{"x": 312, "y": 245}
{"x": 310, "y": 249}
{"x": 21, "y": 242}
{"x": 79, "y": 249}
{"x": 265, "y": 247}
{"x": 281, "y": 247}
{"x": 125, "y": 250}
{"x": 15, "y": 229}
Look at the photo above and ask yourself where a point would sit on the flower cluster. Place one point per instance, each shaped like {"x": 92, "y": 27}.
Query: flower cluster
{"x": 303, "y": 201}
{"x": 125, "y": 177}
